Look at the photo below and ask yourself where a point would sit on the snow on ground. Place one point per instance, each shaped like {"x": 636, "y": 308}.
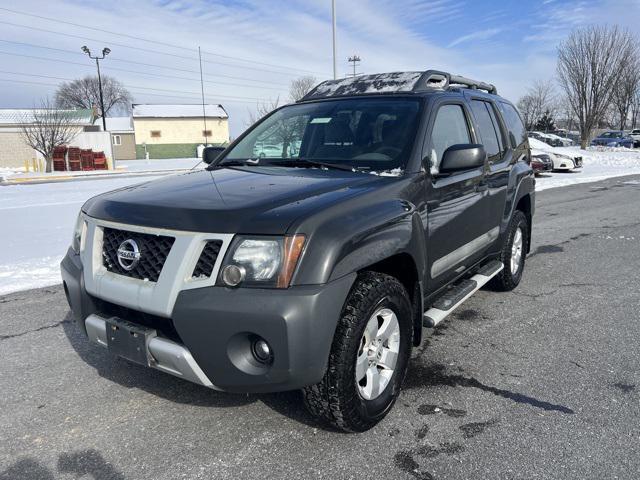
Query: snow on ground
{"x": 598, "y": 164}
{"x": 36, "y": 223}
{"x": 122, "y": 166}
{"x": 159, "y": 164}
{"x": 37, "y": 220}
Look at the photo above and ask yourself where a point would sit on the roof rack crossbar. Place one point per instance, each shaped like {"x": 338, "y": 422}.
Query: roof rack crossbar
{"x": 437, "y": 79}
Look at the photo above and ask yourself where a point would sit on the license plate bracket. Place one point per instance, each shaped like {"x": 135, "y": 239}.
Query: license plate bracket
{"x": 129, "y": 340}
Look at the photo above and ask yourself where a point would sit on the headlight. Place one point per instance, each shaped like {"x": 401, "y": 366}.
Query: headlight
{"x": 78, "y": 233}
{"x": 261, "y": 261}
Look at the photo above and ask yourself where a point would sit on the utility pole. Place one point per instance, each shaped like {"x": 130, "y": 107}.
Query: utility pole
{"x": 105, "y": 52}
{"x": 333, "y": 20}
{"x": 355, "y": 59}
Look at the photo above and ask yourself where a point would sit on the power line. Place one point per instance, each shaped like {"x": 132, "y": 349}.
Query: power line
{"x": 148, "y": 50}
{"x": 166, "y": 44}
{"x": 32, "y": 45}
{"x": 144, "y": 92}
{"x": 109, "y": 68}
{"x": 131, "y": 87}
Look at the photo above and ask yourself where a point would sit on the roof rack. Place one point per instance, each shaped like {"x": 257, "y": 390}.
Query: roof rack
{"x": 442, "y": 80}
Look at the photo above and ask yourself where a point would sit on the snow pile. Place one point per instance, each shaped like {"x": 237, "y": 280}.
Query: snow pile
{"x": 362, "y": 84}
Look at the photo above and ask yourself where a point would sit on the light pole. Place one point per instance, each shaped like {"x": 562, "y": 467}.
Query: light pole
{"x": 105, "y": 52}
{"x": 333, "y": 21}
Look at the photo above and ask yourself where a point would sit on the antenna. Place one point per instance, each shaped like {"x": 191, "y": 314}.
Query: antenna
{"x": 204, "y": 111}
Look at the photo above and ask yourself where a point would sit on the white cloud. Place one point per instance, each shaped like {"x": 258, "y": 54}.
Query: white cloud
{"x": 479, "y": 35}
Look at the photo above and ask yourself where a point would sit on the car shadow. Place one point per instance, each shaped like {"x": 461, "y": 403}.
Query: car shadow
{"x": 85, "y": 463}
{"x": 173, "y": 389}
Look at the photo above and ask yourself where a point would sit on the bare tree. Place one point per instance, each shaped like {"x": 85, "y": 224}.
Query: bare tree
{"x": 590, "y": 61}
{"x": 624, "y": 91}
{"x": 262, "y": 110}
{"x": 540, "y": 98}
{"x": 300, "y": 87}
{"x": 566, "y": 113}
{"x": 635, "y": 109}
{"x": 85, "y": 93}
{"x": 46, "y": 128}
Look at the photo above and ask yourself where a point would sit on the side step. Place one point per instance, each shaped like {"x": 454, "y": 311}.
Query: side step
{"x": 457, "y": 295}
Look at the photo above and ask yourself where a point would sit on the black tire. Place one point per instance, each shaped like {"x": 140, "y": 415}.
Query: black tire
{"x": 508, "y": 280}
{"x": 336, "y": 400}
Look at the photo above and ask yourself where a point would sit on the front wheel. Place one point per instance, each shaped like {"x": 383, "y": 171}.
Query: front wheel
{"x": 513, "y": 253}
{"x": 368, "y": 358}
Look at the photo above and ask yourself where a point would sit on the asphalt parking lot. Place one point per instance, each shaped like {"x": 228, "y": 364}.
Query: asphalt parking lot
{"x": 539, "y": 383}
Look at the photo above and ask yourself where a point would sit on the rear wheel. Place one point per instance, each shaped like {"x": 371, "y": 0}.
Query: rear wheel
{"x": 513, "y": 253}
{"x": 368, "y": 358}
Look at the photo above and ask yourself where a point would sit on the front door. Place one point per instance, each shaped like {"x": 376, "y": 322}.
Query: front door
{"x": 458, "y": 231}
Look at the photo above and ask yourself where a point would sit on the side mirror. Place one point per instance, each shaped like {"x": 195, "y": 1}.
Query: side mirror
{"x": 462, "y": 157}
{"x": 210, "y": 154}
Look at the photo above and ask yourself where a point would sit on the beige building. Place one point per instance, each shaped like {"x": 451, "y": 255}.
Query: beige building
{"x": 123, "y": 138}
{"x": 14, "y": 151}
{"x": 174, "y": 131}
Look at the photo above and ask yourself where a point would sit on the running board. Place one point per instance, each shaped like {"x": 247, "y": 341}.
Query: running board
{"x": 457, "y": 295}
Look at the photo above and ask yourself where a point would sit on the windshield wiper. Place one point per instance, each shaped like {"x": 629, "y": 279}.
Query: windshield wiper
{"x": 233, "y": 163}
{"x": 305, "y": 162}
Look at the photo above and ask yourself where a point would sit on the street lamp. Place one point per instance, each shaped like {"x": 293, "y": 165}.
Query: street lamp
{"x": 105, "y": 51}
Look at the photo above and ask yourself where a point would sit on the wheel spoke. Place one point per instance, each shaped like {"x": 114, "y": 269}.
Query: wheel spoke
{"x": 371, "y": 330}
{"x": 389, "y": 325}
{"x": 372, "y": 389}
{"x": 362, "y": 364}
{"x": 388, "y": 359}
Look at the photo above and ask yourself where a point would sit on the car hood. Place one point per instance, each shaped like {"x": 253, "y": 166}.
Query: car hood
{"x": 255, "y": 200}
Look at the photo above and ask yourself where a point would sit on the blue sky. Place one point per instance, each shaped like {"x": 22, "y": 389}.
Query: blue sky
{"x": 252, "y": 49}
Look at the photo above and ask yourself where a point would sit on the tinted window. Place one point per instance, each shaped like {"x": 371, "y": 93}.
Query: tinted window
{"x": 450, "y": 128}
{"x": 514, "y": 123}
{"x": 611, "y": 135}
{"x": 487, "y": 129}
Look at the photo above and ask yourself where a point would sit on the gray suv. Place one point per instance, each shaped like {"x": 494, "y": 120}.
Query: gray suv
{"x": 392, "y": 199}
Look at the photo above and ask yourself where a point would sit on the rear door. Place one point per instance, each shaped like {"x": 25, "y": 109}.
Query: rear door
{"x": 455, "y": 225}
{"x": 501, "y": 156}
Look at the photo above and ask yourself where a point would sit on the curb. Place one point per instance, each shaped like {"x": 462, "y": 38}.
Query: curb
{"x": 5, "y": 182}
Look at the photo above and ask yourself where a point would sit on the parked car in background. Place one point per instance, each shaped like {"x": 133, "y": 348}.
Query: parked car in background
{"x": 541, "y": 162}
{"x": 613, "y": 138}
{"x": 564, "y": 142}
{"x": 562, "y": 161}
{"x": 546, "y": 138}
{"x": 267, "y": 151}
{"x": 635, "y": 134}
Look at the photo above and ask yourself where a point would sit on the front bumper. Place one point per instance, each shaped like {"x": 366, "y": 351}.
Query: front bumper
{"x": 215, "y": 324}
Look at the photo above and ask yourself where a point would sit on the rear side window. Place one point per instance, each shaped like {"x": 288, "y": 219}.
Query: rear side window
{"x": 449, "y": 128}
{"x": 517, "y": 132}
{"x": 488, "y": 129}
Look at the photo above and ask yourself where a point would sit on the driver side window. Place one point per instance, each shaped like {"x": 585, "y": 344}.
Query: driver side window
{"x": 449, "y": 128}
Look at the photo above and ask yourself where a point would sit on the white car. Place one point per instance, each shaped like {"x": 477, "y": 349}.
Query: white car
{"x": 561, "y": 161}
{"x": 566, "y": 142}
{"x": 635, "y": 134}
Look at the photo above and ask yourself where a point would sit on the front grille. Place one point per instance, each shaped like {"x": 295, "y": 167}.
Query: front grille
{"x": 154, "y": 250}
{"x": 207, "y": 260}
{"x": 164, "y": 326}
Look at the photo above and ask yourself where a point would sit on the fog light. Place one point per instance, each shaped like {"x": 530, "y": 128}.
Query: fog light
{"x": 232, "y": 275}
{"x": 262, "y": 351}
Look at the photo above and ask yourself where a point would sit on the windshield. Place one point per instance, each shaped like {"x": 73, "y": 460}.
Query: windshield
{"x": 373, "y": 134}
